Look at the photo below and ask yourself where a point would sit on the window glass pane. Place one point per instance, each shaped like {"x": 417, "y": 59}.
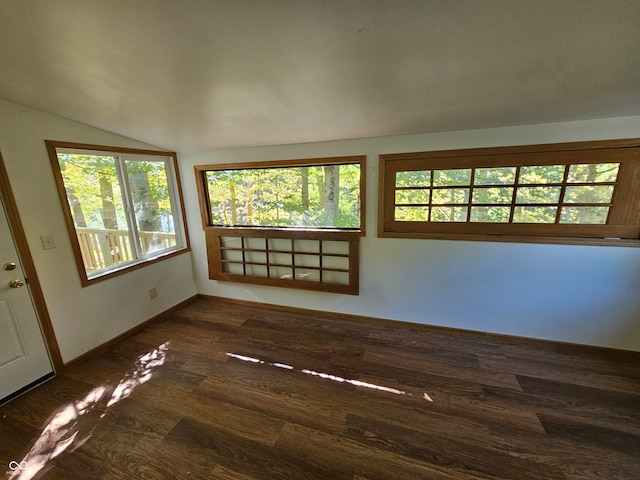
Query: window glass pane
{"x": 123, "y": 207}
{"x": 309, "y": 246}
{"x": 252, "y": 270}
{"x": 451, "y": 196}
{"x": 320, "y": 196}
{"x": 235, "y": 268}
{"x": 584, "y": 215}
{"x": 534, "y": 214}
{"x": 593, "y": 172}
{"x": 233, "y": 255}
{"x": 231, "y": 242}
{"x": 149, "y": 185}
{"x": 449, "y": 214}
{"x": 542, "y": 174}
{"x": 419, "y": 178}
{"x": 495, "y": 176}
{"x": 588, "y": 194}
{"x": 412, "y": 196}
{"x": 284, "y": 273}
{"x": 490, "y": 214}
{"x": 538, "y": 195}
{"x": 341, "y": 278}
{"x": 95, "y": 201}
{"x": 411, "y": 214}
{"x": 254, "y": 257}
{"x": 307, "y": 275}
{"x": 307, "y": 260}
{"x": 492, "y": 195}
{"x": 334, "y": 246}
{"x": 445, "y": 178}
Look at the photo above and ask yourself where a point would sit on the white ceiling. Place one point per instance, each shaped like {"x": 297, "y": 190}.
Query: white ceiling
{"x": 191, "y": 75}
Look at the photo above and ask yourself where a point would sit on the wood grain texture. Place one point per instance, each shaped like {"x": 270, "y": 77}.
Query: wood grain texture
{"x": 621, "y": 229}
{"x": 243, "y": 392}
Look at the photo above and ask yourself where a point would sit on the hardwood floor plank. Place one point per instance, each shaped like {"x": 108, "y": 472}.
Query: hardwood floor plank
{"x": 572, "y": 402}
{"x": 596, "y": 401}
{"x": 239, "y": 421}
{"x": 253, "y": 458}
{"x": 16, "y": 437}
{"x": 280, "y": 401}
{"x": 468, "y": 458}
{"x": 345, "y": 453}
{"x": 576, "y": 460}
{"x": 221, "y": 473}
{"x": 565, "y": 369}
{"x": 220, "y": 390}
{"x": 601, "y": 437}
{"x": 470, "y": 372}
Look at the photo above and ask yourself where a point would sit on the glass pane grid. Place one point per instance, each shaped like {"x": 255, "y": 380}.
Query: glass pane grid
{"x": 318, "y": 261}
{"x": 550, "y": 194}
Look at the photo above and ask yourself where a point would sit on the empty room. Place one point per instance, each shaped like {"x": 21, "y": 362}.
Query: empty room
{"x": 320, "y": 239}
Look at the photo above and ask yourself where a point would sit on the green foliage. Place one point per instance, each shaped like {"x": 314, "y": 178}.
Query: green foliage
{"x": 442, "y": 195}
{"x": 81, "y": 174}
{"x": 276, "y": 197}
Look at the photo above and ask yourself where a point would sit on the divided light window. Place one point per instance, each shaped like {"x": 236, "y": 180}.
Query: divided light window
{"x": 123, "y": 206}
{"x": 563, "y": 193}
{"x": 289, "y": 223}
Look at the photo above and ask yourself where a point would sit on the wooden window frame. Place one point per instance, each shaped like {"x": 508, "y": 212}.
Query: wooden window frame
{"x": 622, "y": 229}
{"x": 216, "y": 251}
{"x": 180, "y": 220}
{"x": 214, "y": 232}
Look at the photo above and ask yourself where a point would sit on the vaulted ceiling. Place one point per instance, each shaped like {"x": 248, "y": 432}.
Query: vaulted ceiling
{"x": 200, "y": 74}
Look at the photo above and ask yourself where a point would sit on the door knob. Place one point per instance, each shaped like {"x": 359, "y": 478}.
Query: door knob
{"x": 9, "y": 266}
{"x": 16, "y": 283}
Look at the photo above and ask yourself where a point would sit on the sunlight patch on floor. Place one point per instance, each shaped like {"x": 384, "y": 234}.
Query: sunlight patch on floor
{"x": 326, "y": 376}
{"x": 64, "y": 432}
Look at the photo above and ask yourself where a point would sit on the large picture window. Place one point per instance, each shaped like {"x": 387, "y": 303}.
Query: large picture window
{"x": 292, "y": 223}
{"x": 314, "y": 193}
{"x": 562, "y": 193}
{"x": 123, "y": 206}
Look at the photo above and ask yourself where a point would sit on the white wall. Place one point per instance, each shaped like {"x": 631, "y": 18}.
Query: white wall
{"x": 579, "y": 294}
{"x": 83, "y": 318}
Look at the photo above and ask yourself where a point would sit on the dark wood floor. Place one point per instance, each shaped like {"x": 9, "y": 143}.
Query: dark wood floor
{"x": 223, "y": 391}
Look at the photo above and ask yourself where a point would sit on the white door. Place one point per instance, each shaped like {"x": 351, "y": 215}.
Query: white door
{"x": 23, "y": 354}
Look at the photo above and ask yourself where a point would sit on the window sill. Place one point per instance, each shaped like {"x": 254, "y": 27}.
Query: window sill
{"x": 515, "y": 239}
{"x": 87, "y": 280}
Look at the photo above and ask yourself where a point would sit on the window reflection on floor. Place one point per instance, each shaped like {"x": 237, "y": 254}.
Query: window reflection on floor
{"x": 73, "y": 424}
{"x": 326, "y": 376}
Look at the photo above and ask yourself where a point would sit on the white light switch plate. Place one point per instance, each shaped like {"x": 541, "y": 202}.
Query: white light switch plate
{"x": 47, "y": 242}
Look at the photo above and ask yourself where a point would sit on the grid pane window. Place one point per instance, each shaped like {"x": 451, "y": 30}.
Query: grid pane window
{"x": 581, "y": 191}
{"x": 583, "y": 198}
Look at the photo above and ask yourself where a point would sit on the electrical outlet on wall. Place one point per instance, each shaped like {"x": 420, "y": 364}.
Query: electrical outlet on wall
{"x": 153, "y": 293}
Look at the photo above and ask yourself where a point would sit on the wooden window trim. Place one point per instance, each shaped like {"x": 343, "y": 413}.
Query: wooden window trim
{"x": 624, "y": 221}
{"x": 214, "y": 233}
{"x": 215, "y": 253}
{"x": 52, "y": 146}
